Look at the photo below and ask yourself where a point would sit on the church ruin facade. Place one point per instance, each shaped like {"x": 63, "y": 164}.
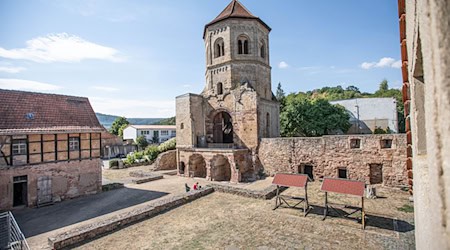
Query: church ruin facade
{"x": 218, "y": 130}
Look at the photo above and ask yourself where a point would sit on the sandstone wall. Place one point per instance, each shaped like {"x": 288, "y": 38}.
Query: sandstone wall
{"x": 167, "y": 161}
{"x": 327, "y": 154}
{"x": 69, "y": 180}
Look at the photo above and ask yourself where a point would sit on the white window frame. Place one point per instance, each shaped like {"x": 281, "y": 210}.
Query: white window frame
{"x": 19, "y": 147}
{"x": 74, "y": 143}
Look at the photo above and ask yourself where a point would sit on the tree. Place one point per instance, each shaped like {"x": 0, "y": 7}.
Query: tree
{"x": 117, "y": 124}
{"x": 280, "y": 92}
{"x": 167, "y": 121}
{"x": 312, "y": 117}
{"x": 121, "y": 130}
{"x": 142, "y": 142}
{"x": 384, "y": 86}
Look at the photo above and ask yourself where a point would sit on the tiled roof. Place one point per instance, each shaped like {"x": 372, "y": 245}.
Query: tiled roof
{"x": 235, "y": 10}
{"x": 28, "y": 112}
{"x": 154, "y": 127}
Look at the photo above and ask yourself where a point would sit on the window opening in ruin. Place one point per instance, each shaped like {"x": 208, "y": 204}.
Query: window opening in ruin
{"x": 306, "y": 169}
{"x": 386, "y": 143}
{"x": 74, "y": 143}
{"x": 342, "y": 173}
{"x": 182, "y": 126}
{"x": 267, "y": 125}
{"x": 223, "y": 128}
{"x": 19, "y": 147}
{"x": 355, "y": 143}
{"x": 376, "y": 173}
{"x": 20, "y": 189}
{"x": 219, "y": 88}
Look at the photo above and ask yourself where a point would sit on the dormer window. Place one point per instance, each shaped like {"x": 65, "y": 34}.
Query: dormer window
{"x": 243, "y": 45}
{"x": 219, "y": 48}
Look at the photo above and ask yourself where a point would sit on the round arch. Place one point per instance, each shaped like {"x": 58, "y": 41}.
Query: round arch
{"x": 197, "y": 166}
{"x": 222, "y": 128}
{"x": 220, "y": 168}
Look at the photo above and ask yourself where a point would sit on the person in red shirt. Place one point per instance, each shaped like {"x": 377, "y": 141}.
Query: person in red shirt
{"x": 196, "y": 186}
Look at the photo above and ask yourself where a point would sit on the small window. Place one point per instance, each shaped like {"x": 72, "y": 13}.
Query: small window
{"x": 174, "y": 133}
{"x": 164, "y": 132}
{"x": 263, "y": 51}
{"x": 19, "y": 147}
{"x": 74, "y": 143}
{"x": 355, "y": 143}
{"x": 182, "y": 126}
{"x": 387, "y": 143}
{"x": 219, "y": 88}
{"x": 342, "y": 173}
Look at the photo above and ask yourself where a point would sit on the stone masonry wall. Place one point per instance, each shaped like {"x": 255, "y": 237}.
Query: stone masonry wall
{"x": 327, "y": 154}
{"x": 69, "y": 180}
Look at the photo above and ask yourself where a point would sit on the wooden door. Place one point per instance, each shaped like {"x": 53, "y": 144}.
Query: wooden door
{"x": 44, "y": 190}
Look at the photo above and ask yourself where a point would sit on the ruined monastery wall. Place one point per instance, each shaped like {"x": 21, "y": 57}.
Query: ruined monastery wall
{"x": 370, "y": 162}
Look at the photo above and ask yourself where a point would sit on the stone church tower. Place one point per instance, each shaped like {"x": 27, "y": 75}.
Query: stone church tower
{"x": 236, "y": 108}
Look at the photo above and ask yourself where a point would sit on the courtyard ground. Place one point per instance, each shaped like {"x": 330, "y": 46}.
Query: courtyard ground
{"x": 226, "y": 221}
{"x": 221, "y": 220}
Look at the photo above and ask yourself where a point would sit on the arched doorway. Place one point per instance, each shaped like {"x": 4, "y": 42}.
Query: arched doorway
{"x": 220, "y": 168}
{"x": 197, "y": 166}
{"x": 182, "y": 167}
{"x": 223, "y": 128}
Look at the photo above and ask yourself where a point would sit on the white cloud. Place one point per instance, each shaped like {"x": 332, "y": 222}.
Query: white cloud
{"x": 384, "y": 62}
{"x": 12, "y": 70}
{"x": 283, "y": 65}
{"x": 19, "y": 84}
{"x": 61, "y": 48}
{"x": 397, "y": 64}
{"x": 134, "y": 107}
{"x": 105, "y": 88}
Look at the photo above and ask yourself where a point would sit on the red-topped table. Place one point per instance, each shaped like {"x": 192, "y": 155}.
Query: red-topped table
{"x": 344, "y": 186}
{"x": 291, "y": 180}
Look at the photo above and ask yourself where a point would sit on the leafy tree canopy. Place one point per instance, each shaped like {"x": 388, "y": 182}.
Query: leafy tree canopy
{"x": 142, "y": 141}
{"x": 303, "y": 116}
{"x": 309, "y": 123}
{"x": 120, "y": 122}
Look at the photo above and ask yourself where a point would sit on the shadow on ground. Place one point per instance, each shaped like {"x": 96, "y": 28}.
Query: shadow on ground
{"x": 34, "y": 221}
{"x": 377, "y": 221}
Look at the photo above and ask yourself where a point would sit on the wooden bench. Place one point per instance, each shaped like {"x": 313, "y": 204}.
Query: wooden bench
{"x": 348, "y": 187}
{"x": 291, "y": 180}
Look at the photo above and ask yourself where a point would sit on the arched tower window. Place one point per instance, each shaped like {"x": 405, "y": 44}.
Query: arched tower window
{"x": 219, "y": 88}
{"x": 219, "y": 48}
{"x": 262, "y": 49}
{"x": 243, "y": 45}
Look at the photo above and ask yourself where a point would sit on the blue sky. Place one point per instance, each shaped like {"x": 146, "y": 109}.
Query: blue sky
{"x": 133, "y": 57}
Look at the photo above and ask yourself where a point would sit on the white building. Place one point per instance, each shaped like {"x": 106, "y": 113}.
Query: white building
{"x": 366, "y": 114}
{"x": 153, "y": 133}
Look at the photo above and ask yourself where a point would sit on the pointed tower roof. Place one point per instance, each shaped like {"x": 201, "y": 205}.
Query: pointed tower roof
{"x": 235, "y": 10}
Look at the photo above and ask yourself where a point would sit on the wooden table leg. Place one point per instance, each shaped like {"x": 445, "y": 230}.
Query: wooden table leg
{"x": 363, "y": 214}
{"x": 325, "y": 213}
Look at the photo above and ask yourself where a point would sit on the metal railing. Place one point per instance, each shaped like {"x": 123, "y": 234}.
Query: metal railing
{"x": 10, "y": 235}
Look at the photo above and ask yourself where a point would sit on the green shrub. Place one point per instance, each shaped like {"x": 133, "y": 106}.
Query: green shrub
{"x": 168, "y": 145}
{"x": 130, "y": 159}
{"x": 152, "y": 153}
{"x": 138, "y": 155}
{"x": 114, "y": 164}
